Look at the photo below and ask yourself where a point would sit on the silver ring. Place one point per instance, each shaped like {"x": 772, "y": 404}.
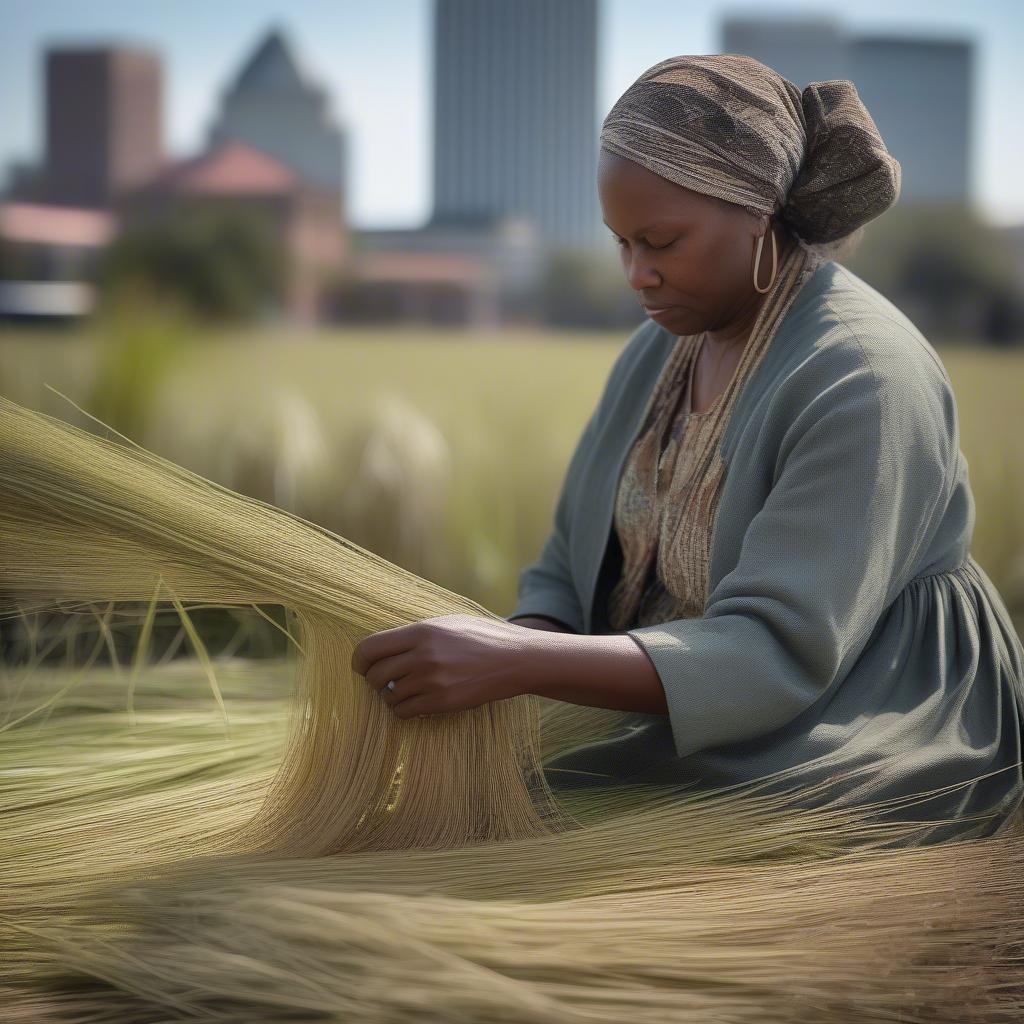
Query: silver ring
{"x": 391, "y": 685}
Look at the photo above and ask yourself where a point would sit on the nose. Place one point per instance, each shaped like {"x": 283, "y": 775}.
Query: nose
{"x": 640, "y": 272}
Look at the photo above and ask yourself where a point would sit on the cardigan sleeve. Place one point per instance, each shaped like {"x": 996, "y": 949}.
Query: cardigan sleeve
{"x": 864, "y": 469}
{"x": 546, "y": 586}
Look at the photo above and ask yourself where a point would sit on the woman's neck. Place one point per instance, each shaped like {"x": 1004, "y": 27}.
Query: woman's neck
{"x": 737, "y": 333}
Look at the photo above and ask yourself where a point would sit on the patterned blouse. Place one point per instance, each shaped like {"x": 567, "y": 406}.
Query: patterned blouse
{"x": 668, "y": 494}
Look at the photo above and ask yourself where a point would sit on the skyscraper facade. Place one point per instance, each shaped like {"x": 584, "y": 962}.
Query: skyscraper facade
{"x": 515, "y": 127}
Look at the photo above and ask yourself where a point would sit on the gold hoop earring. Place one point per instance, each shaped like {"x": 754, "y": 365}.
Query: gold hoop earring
{"x": 757, "y": 263}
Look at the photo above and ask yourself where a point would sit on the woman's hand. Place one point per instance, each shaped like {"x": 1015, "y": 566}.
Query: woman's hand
{"x": 447, "y": 663}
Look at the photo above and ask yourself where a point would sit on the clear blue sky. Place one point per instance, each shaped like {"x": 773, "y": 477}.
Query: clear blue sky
{"x": 375, "y": 60}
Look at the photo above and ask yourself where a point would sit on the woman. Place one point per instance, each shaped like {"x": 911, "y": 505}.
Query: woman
{"x": 761, "y": 547}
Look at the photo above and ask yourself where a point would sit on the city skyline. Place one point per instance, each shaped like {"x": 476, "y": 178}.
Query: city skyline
{"x": 377, "y": 69}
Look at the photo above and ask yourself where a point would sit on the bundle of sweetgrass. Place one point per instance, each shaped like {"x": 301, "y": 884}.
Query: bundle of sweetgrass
{"x": 347, "y": 865}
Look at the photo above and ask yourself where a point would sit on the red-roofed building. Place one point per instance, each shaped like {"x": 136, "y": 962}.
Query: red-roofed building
{"x": 47, "y": 255}
{"x": 305, "y": 218}
{"x": 66, "y": 226}
{"x": 232, "y": 169}
{"x": 430, "y": 287}
{"x": 478, "y": 271}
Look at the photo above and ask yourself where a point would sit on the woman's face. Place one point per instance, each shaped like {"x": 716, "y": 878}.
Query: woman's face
{"x": 681, "y": 250}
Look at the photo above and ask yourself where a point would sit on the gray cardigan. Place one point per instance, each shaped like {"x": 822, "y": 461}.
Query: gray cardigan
{"x": 847, "y": 623}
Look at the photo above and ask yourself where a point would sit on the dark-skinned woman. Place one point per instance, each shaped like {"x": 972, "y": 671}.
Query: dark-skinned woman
{"x": 760, "y": 551}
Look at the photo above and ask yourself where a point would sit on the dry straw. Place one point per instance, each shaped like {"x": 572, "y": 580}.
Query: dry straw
{"x": 365, "y": 868}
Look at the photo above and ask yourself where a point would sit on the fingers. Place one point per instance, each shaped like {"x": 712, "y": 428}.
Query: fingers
{"x": 419, "y": 706}
{"x": 398, "y": 667}
{"x": 386, "y": 643}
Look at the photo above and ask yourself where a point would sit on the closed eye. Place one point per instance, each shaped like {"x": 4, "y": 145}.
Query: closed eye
{"x": 622, "y": 241}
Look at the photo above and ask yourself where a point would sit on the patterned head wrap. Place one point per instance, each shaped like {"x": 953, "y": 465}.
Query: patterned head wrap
{"x": 729, "y": 126}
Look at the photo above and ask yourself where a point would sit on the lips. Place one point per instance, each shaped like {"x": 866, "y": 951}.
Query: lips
{"x": 654, "y": 310}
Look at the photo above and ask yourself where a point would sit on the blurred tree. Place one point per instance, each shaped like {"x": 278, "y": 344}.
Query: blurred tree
{"x": 950, "y": 271}
{"x": 587, "y": 289}
{"x": 348, "y": 299}
{"x": 19, "y": 262}
{"x": 222, "y": 264}
{"x": 1004, "y": 320}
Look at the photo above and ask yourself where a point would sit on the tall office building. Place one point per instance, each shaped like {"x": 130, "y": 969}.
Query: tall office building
{"x": 515, "y": 126}
{"x": 802, "y": 49}
{"x": 918, "y": 91}
{"x": 103, "y": 123}
{"x": 274, "y": 105}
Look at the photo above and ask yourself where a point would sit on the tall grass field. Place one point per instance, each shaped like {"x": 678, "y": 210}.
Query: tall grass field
{"x": 442, "y": 450}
